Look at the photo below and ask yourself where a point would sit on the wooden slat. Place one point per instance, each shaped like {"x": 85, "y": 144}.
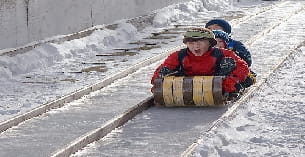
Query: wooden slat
{"x": 188, "y": 91}
{"x": 217, "y": 90}
{"x": 198, "y": 94}
{"x": 208, "y": 90}
{"x": 178, "y": 91}
{"x": 158, "y": 92}
{"x": 168, "y": 90}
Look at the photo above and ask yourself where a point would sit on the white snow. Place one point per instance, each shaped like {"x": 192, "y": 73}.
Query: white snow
{"x": 270, "y": 124}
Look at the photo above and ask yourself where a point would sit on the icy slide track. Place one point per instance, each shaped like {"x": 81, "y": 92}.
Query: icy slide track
{"x": 157, "y": 132}
{"x": 38, "y": 136}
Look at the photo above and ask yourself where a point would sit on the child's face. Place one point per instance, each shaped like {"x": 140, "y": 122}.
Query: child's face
{"x": 214, "y": 27}
{"x": 220, "y": 43}
{"x": 199, "y": 47}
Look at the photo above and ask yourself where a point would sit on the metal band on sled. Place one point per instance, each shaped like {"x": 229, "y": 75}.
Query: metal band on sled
{"x": 174, "y": 91}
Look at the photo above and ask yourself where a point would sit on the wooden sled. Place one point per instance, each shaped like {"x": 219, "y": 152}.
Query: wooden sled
{"x": 174, "y": 91}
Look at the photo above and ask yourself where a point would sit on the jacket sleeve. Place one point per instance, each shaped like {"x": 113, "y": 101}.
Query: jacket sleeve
{"x": 170, "y": 62}
{"x": 238, "y": 75}
{"x": 241, "y": 50}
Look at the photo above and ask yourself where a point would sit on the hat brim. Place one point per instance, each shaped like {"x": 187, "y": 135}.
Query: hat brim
{"x": 192, "y": 39}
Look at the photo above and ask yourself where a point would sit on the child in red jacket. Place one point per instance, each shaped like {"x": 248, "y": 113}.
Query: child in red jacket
{"x": 201, "y": 59}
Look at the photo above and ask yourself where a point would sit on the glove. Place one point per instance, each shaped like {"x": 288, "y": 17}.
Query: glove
{"x": 165, "y": 71}
{"x": 226, "y": 66}
{"x": 250, "y": 80}
{"x": 228, "y": 84}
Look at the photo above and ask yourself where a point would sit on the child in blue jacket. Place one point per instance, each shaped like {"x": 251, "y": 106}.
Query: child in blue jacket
{"x": 223, "y": 40}
{"x": 238, "y": 47}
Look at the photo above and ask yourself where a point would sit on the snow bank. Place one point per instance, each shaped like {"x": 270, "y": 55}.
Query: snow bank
{"x": 48, "y": 54}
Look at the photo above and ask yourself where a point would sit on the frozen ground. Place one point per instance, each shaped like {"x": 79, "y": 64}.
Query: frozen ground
{"x": 269, "y": 124}
{"x": 272, "y": 119}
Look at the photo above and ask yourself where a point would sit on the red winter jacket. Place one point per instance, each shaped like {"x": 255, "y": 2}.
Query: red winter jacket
{"x": 205, "y": 66}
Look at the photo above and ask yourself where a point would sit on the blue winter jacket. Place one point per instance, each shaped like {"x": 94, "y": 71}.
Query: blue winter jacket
{"x": 240, "y": 49}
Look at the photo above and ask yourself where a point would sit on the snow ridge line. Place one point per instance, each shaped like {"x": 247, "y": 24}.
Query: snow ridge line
{"x": 84, "y": 91}
{"x": 109, "y": 126}
{"x": 249, "y": 94}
